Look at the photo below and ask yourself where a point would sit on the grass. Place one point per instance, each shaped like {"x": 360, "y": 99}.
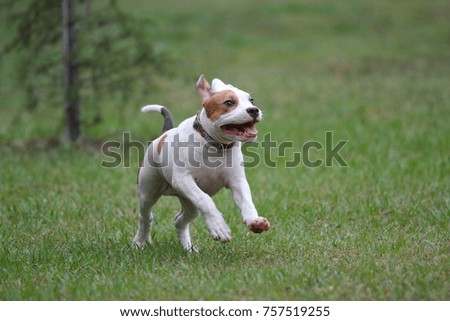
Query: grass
{"x": 375, "y": 74}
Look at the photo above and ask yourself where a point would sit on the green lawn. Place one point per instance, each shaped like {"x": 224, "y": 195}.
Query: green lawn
{"x": 375, "y": 73}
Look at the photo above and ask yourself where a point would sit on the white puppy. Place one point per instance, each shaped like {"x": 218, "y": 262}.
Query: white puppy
{"x": 196, "y": 159}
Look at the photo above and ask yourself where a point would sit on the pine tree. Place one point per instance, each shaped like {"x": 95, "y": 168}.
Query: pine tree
{"x": 72, "y": 51}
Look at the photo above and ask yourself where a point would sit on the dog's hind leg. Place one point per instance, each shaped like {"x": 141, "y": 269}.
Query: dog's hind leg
{"x": 182, "y": 220}
{"x": 146, "y": 202}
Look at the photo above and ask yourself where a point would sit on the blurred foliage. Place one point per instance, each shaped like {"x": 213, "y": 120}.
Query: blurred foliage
{"x": 113, "y": 51}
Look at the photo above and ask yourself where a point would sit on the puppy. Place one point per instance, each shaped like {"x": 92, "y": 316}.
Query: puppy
{"x": 196, "y": 159}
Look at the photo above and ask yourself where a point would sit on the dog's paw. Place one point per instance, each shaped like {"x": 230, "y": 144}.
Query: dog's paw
{"x": 259, "y": 225}
{"x": 186, "y": 243}
{"x": 141, "y": 242}
{"x": 218, "y": 229}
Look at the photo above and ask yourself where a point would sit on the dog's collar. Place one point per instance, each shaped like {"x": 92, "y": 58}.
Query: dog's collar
{"x": 211, "y": 142}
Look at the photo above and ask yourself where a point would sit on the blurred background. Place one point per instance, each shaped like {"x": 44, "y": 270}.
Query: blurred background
{"x": 302, "y": 60}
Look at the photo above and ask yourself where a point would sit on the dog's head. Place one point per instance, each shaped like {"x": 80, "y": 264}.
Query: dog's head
{"x": 228, "y": 114}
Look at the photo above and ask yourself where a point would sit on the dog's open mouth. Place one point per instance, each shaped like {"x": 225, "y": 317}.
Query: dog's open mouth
{"x": 246, "y": 130}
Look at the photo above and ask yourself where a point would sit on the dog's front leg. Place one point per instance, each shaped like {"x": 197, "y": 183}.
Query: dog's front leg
{"x": 243, "y": 199}
{"x": 217, "y": 227}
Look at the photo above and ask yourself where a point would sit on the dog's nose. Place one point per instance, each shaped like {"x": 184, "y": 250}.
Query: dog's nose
{"x": 253, "y": 111}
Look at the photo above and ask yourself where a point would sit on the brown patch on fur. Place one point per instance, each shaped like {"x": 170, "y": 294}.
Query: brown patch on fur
{"x": 161, "y": 143}
{"x": 215, "y": 106}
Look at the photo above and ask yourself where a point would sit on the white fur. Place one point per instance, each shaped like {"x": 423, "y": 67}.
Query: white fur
{"x": 150, "y": 108}
{"x": 195, "y": 185}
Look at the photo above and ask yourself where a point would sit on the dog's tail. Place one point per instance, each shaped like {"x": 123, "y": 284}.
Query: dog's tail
{"x": 168, "y": 119}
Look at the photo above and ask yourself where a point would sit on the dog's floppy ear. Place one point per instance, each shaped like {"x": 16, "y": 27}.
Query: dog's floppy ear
{"x": 203, "y": 88}
{"x": 218, "y": 85}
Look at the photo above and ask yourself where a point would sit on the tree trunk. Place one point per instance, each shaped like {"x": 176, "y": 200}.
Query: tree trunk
{"x": 70, "y": 70}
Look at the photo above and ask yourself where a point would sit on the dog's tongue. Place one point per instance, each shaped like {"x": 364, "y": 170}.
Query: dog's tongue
{"x": 251, "y": 131}
{"x": 246, "y": 130}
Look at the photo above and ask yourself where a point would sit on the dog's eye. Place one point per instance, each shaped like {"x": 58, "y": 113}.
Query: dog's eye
{"x": 229, "y": 103}
{"x": 252, "y": 100}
